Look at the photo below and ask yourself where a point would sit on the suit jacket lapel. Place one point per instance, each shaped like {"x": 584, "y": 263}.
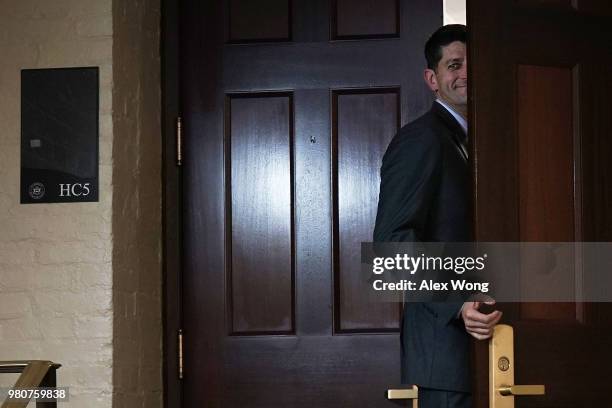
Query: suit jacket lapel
{"x": 459, "y": 137}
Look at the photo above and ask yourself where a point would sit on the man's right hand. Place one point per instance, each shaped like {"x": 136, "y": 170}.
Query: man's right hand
{"x": 477, "y": 324}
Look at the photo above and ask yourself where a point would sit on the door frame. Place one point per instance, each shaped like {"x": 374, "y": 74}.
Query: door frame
{"x": 171, "y": 202}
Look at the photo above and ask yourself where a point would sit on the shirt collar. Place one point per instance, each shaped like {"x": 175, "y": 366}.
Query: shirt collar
{"x": 460, "y": 119}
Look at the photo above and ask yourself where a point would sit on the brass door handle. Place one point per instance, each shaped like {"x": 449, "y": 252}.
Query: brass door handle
{"x": 404, "y": 393}
{"x": 507, "y": 390}
{"x": 501, "y": 370}
{"x": 411, "y": 393}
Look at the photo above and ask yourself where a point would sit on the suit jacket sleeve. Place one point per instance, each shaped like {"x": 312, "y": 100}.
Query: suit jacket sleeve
{"x": 410, "y": 177}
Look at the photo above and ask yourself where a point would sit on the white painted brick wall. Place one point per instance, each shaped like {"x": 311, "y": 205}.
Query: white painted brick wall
{"x": 80, "y": 284}
{"x": 56, "y": 260}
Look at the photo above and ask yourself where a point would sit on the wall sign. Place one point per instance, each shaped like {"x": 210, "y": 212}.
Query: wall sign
{"x": 59, "y": 135}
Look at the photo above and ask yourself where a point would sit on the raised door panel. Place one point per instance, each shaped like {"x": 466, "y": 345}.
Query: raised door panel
{"x": 364, "y": 121}
{"x": 259, "y": 216}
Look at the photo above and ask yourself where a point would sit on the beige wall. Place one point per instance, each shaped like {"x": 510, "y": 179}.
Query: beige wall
{"x": 137, "y": 205}
{"x": 80, "y": 283}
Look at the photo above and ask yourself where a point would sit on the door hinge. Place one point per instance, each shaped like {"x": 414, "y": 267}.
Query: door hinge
{"x": 179, "y": 141}
{"x": 180, "y": 354}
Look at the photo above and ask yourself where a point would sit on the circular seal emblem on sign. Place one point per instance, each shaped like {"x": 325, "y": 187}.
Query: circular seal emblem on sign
{"x": 37, "y": 190}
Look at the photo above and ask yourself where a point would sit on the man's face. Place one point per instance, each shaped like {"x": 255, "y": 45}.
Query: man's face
{"x": 449, "y": 80}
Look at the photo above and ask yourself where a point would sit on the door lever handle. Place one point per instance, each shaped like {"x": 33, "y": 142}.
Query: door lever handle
{"x": 507, "y": 390}
{"x": 501, "y": 370}
{"x": 411, "y": 393}
{"x": 404, "y": 393}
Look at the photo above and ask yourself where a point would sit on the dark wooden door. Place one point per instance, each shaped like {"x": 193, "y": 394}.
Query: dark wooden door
{"x": 540, "y": 124}
{"x": 288, "y": 106}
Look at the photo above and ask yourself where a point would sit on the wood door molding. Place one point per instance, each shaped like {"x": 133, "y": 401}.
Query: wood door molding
{"x": 171, "y": 202}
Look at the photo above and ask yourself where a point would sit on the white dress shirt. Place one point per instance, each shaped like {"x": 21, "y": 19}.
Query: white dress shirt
{"x": 460, "y": 119}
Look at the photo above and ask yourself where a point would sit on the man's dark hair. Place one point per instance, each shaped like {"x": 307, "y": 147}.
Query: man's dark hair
{"x": 441, "y": 38}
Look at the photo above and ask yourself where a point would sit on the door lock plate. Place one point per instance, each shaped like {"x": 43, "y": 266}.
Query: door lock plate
{"x": 501, "y": 370}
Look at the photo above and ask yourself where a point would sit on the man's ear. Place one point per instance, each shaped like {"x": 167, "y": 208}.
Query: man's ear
{"x": 430, "y": 79}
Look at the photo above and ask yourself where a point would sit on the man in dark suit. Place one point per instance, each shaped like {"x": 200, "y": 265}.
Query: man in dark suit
{"x": 424, "y": 197}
